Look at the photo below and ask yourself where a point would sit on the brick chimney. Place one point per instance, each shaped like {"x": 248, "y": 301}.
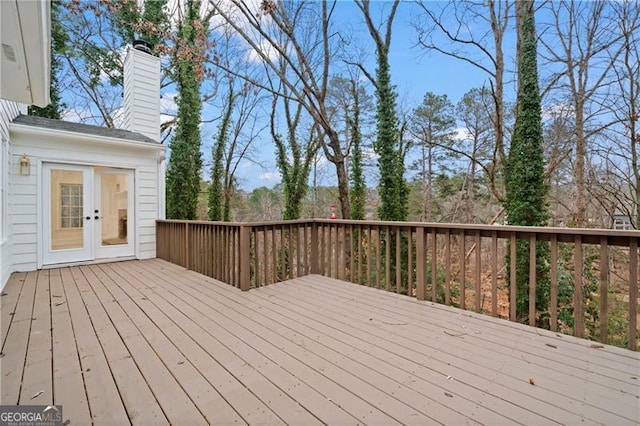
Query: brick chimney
{"x": 142, "y": 91}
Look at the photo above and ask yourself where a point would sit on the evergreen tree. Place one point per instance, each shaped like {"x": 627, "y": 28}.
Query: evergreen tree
{"x": 358, "y": 193}
{"x": 433, "y": 124}
{"x": 526, "y": 187}
{"x": 59, "y": 39}
{"x": 185, "y": 162}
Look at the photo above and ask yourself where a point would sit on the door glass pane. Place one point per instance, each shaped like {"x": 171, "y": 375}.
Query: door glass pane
{"x": 66, "y": 210}
{"x": 114, "y": 193}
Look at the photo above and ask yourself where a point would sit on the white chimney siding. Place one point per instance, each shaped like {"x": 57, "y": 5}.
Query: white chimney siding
{"x": 142, "y": 94}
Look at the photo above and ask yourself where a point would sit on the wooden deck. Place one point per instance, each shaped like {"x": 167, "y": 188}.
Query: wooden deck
{"x": 148, "y": 342}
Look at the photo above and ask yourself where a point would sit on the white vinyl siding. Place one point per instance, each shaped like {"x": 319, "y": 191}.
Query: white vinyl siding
{"x": 8, "y": 111}
{"x": 4, "y": 189}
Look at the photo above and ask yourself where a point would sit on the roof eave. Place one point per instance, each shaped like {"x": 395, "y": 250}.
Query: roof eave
{"x": 42, "y": 131}
{"x": 26, "y": 30}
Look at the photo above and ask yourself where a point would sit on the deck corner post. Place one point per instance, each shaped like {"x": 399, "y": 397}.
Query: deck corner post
{"x": 243, "y": 255}
{"x": 315, "y": 265}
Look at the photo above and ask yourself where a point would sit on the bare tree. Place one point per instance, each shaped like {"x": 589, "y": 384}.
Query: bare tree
{"x": 580, "y": 43}
{"x": 559, "y": 140}
{"x": 474, "y": 111}
{"x": 484, "y": 51}
{"x": 298, "y": 33}
{"x": 241, "y": 124}
{"x": 621, "y": 183}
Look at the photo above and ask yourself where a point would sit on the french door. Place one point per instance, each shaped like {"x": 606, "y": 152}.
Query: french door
{"x": 88, "y": 213}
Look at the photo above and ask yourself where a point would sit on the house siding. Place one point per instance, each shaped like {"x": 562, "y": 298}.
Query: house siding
{"x": 57, "y": 149}
{"x": 8, "y": 111}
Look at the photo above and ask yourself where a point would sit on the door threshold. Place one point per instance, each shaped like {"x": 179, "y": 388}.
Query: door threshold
{"x": 89, "y": 262}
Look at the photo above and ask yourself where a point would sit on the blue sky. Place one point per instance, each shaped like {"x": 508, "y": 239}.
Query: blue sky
{"x": 414, "y": 72}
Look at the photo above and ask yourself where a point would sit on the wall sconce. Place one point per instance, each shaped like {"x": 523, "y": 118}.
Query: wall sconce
{"x": 25, "y": 165}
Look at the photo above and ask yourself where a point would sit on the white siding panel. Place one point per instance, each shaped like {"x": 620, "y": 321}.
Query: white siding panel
{"x": 6, "y": 263}
{"x": 22, "y": 248}
{"x": 30, "y": 238}
{"x": 19, "y": 208}
{"x": 24, "y": 262}
{"x": 19, "y": 199}
{"x": 24, "y": 229}
{"x": 8, "y": 111}
{"x": 19, "y": 219}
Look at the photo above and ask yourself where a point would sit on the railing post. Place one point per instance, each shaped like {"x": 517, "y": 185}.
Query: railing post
{"x": 186, "y": 245}
{"x": 633, "y": 292}
{"x": 420, "y": 260}
{"x": 315, "y": 261}
{"x": 578, "y": 302}
{"x": 244, "y": 254}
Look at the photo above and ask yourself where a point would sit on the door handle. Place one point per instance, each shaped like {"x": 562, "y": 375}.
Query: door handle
{"x": 88, "y": 218}
{"x": 97, "y": 217}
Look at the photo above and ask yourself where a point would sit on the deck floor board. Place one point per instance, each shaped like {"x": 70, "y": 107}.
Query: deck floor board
{"x": 148, "y": 342}
{"x": 14, "y": 349}
{"x": 68, "y": 386}
{"x": 105, "y": 403}
{"x": 512, "y": 360}
{"x": 514, "y": 371}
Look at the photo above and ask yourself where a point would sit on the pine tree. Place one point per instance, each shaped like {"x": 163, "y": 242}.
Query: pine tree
{"x": 185, "y": 162}
{"x": 526, "y": 186}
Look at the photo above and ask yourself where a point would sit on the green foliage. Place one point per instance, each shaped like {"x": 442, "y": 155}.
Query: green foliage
{"x": 295, "y": 175}
{"x": 58, "y": 40}
{"x": 543, "y": 283}
{"x": 525, "y": 181}
{"x": 155, "y": 21}
{"x": 217, "y": 205}
{"x": 393, "y": 188}
{"x": 358, "y": 191}
{"x": 149, "y": 24}
{"x": 526, "y": 187}
{"x": 185, "y": 162}
{"x": 294, "y": 159}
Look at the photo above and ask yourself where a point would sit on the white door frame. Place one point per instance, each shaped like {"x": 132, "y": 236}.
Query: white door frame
{"x": 121, "y": 250}
{"x": 85, "y": 253}
{"x": 92, "y": 248}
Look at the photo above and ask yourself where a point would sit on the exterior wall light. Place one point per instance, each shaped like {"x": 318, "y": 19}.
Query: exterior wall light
{"x": 25, "y": 165}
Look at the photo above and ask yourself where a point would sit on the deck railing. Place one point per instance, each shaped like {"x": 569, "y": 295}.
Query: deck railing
{"x": 469, "y": 266}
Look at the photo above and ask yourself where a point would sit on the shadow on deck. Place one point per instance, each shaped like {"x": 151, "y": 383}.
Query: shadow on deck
{"x": 150, "y": 342}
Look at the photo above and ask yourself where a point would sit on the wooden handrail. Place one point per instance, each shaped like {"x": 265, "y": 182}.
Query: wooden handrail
{"x": 597, "y": 268}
